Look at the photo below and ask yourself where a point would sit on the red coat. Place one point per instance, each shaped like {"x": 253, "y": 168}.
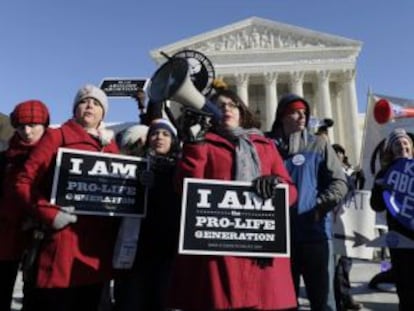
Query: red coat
{"x": 227, "y": 282}
{"x": 12, "y": 214}
{"x": 81, "y": 253}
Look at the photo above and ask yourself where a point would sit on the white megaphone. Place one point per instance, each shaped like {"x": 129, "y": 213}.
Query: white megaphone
{"x": 172, "y": 81}
{"x": 385, "y": 111}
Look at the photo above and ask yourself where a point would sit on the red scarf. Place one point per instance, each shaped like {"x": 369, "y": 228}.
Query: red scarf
{"x": 18, "y": 150}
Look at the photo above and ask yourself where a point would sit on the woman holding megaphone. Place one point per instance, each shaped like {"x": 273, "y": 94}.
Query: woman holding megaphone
{"x": 232, "y": 149}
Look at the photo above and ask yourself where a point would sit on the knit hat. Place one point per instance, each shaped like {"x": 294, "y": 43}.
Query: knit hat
{"x": 164, "y": 124}
{"x": 324, "y": 124}
{"x": 30, "y": 112}
{"x": 283, "y": 104}
{"x": 396, "y": 134}
{"x": 338, "y": 148}
{"x": 293, "y": 106}
{"x": 91, "y": 91}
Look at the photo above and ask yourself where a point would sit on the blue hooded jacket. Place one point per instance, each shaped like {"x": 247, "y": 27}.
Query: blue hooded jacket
{"x": 317, "y": 173}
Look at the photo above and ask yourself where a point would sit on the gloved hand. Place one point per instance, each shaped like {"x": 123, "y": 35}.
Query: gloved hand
{"x": 64, "y": 217}
{"x": 265, "y": 186}
{"x": 193, "y": 125}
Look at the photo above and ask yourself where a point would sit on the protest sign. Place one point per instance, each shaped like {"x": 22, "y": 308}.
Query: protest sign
{"x": 354, "y": 226}
{"x": 398, "y": 191}
{"x": 123, "y": 87}
{"x": 227, "y": 218}
{"x": 97, "y": 183}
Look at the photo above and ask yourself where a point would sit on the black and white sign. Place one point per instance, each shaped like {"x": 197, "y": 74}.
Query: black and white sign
{"x": 354, "y": 226}
{"x": 97, "y": 183}
{"x": 226, "y": 218}
{"x": 123, "y": 87}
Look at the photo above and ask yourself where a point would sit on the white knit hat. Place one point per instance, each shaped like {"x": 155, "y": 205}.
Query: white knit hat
{"x": 132, "y": 134}
{"x": 91, "y": 91}
{"x": 396, "y": 134}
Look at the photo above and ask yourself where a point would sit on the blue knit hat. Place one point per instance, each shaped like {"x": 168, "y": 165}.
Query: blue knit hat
{"x": 164, "y": 124}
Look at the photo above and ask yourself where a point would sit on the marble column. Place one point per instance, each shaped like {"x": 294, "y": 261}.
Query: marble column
{"x": 324, "y": 108}
{"x": 296, "y": 84}
{"x": 338, "y": 113}
{"x": 242, "y": 83}
{"x": 270, "y": 79}
{"x": 349, "y": 100}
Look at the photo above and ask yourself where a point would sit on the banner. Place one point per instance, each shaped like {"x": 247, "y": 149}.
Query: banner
{"x": 354, "y": 226}
{"x": 227, "y": 218}
{"x": 97, "y": 183}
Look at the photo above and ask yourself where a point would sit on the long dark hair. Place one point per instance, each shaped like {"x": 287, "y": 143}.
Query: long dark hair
{"x": 247, "y": 118}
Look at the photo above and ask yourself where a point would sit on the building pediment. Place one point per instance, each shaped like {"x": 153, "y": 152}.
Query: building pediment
{"x": 258, "y": 35}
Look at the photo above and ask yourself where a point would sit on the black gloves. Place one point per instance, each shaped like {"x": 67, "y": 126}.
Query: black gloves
{"x": 265, "y": 186}
{"x": 194, "y": 124}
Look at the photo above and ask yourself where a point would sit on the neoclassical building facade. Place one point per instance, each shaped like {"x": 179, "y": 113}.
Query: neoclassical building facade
{"x": 264, "y": 59}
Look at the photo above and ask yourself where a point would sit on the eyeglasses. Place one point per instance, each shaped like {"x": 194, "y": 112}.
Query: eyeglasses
{"x": 230, "y": 104}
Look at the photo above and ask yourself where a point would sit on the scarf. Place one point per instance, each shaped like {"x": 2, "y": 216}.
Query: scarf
{"x": 18, "y": 150}
{"x": 247, "y": 161}
{"x": 291, "y": 144}
{"x": 102, "y": 134}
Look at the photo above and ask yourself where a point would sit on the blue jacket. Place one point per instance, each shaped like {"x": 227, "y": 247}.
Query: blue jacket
{"x": 318, "y": 175}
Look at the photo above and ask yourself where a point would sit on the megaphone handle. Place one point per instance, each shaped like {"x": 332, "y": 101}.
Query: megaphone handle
{"x": 214, "y": 110}
{"x": 168, "y": 86}
{"x": 170, "y": 116}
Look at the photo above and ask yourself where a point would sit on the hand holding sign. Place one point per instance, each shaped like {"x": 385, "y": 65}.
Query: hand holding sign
{"x": 64, "y": 217}
{"x": 265, "y": 186}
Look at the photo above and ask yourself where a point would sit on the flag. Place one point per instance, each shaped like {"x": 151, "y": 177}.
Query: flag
{"x": 374, "y": 133}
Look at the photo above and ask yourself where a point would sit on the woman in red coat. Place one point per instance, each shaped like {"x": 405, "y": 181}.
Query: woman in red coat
{"x": 75, "y": 259}
{"x": 236, "y": 150}
{"x": 30, "y": 120}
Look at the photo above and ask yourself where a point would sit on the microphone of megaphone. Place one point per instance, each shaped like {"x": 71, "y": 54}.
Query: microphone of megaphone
{"x": 385, "y": 111}
{"x": 172, "y": 81}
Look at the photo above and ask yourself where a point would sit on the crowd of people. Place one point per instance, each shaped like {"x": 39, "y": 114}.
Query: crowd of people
{"x": 68, "y": 259}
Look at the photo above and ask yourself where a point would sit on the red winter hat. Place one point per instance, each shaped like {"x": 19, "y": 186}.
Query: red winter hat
{"x": 30, "y": 112}
{"x": 293, "y": 106}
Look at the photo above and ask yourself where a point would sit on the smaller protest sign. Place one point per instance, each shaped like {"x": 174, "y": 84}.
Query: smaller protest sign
{"x": 123, "y": 87}
{"x": 354, "y": 226}
{"x": 399, "y": 191}
{"x": 227, "y": 218}
{"x": 97, "y": 183}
